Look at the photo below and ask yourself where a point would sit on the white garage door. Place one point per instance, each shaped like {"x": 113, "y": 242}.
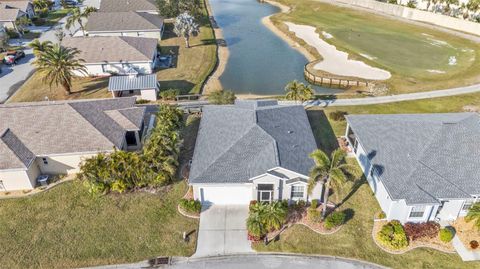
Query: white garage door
{"x": 235, "y": 195}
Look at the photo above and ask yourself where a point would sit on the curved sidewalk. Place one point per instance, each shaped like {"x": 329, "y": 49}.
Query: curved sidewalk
{"x": 401, "y": 97}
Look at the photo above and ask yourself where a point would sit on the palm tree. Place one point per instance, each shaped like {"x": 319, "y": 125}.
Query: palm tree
{"x": 473, "y": 5}
{"x": 332, "y": 171}
{"x": 77, "y": 17}
{"x": 186, "y": 27}
{"x": 40, "y": 47}
{"x": 57, "y": 65}
{"x": 255, "y": 225}
{"x": 274, "y": 216}
{"x": 298, "y": 91}
{"x": 474, "y": 214}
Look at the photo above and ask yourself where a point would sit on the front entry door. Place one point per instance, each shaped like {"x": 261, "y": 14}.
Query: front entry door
{"x": 265, "y": 192}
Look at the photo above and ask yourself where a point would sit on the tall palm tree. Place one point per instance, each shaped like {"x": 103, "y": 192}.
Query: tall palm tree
{"x": 474, "y": 214}
{"x": 331, "y": 170}
{"x": 186, "y": 27}
{"x": 78, "y": 16}
{"x": 298, "y": 91}
{"x": 40, "y": 47}
{"x": 57, "y": 65}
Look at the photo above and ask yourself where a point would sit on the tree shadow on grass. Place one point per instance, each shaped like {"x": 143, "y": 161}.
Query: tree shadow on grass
{"x": 92, "y": 86}
{"x": 183, "y": 85}
{"x": 349, "y": 214}
{"x": 356, "y": 185}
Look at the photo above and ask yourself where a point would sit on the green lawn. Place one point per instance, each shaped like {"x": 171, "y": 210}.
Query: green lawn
{"x": 193, "y": 64}
{"x": 413, "y": 54}
{"x": 34, "y": 89}
{"x": 55, "y": 15}
{"x": 65, "y": 227}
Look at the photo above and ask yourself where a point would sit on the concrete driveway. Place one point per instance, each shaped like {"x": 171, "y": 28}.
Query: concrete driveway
{"x": 223, "y": 231}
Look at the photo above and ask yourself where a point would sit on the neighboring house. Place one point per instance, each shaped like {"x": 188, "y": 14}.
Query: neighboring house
{"x": 253, "y": 150}
{"x": 140, "y": 24}
{"x": 148, "y": 6}
{"x": 143, "y": 86}
{"x": 53, "y": 137}
{"x": 420, "y": 166}
{"x": 8, "y": 17}
{"x": 105, "y": 55}
{"x": 24, "y": 6}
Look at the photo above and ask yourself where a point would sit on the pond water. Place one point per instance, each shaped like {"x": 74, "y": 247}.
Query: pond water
{"x": 260, "y": 62}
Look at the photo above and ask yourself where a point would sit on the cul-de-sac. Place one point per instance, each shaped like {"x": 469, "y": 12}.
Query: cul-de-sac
{"x": 253, "y": 134}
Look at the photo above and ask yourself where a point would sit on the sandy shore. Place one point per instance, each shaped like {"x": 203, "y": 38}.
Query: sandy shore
{"x": 268, "y": 23}
{"x": 213, "y": 83}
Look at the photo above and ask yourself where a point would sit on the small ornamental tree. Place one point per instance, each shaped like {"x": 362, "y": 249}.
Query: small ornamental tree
{"x": 186, "y": 27}
{"x": 223, "y": 97}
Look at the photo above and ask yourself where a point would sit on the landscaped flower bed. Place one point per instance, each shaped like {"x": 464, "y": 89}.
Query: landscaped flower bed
{"x": 396, "y": 238}
{"x": 467, "y": 232}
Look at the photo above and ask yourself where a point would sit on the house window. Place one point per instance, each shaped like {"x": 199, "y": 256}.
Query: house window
{"x": 466, "y": 206}
{"x": 265, "y": 192}
{"x": 417, "y": 211}
{"x": 44, "y": 160}
{"x": 2, "y": 187}
{"x": 297, "y": 192}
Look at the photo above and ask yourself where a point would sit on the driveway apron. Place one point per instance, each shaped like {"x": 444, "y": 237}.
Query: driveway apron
{"x": 223, "y": 230}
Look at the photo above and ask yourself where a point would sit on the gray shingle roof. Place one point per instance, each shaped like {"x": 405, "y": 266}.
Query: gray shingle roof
{"x": 123, "y": 21}
{"x": 114, "y": 49}
{"x": 127, "y": 5}
{"x": 9, "y": 14}
{"x": 423, "y": 157}
{"x": 21, "y": 5}
{"x": 46, "y": 128}
{"x": 238, "y": 142}
{"x": 14, "y": 153}
{"x": 139, "y": 82}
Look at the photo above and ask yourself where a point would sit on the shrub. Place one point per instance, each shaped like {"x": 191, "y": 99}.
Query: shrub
{"x": 393, "y": 235}
{"x": 415, "y": 231}
{"x": 335, "y": 219}
{"x": 141, "y": 101}
{"x": 446, "y": 234}
{"x": 300, "y": 203}
{"x": 313, "y": 215}
{"x": 412, "y": 4}
{"x": 474, "y": 244}
{"x": 338, "y": 115}
{"x": 38, "y": 21}
{"x": 392, "y": 2}
{"x": 191, "y": 206}
{"x": 382, "y": 215}
{"x": 223, "y": 97}
{"x": 12, "y": 33}
{"x": 252, "y": 203}
{"x": 314, "y": 204}
{"x": 169, "y": 94}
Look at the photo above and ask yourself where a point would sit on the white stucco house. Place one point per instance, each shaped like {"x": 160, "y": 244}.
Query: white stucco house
{"x": 24, "y": 6}
{"x": 9, "y": 16}
{"x": 54, "y": 137}
{"x": 107, "y": 55}
{"x": 421, "y": 167}
{"x": 253, "y": 150}
{"x": 148, "y": 6}
{"x": 137, "y": 24}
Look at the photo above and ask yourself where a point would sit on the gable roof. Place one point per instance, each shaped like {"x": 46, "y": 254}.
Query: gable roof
{"x": 123, "y": 21}
{"x": 241, "y": 141}
{"x": 22, "y": 5}
{"x": 60, "y": 127}
{"x": 422, "y": 158}
{"x": 127, "y": 5}
{"x": 99, "y": 49}
{"x": 139, "y": 82}
{"x": 9, "y": 14}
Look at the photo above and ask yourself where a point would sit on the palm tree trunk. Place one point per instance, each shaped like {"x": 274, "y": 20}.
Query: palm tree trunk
{"x": 67, "y": 88}
{"x": 81, "y": 27}
{"x": 325, "y": 197}
{"x": 187, "y": 42}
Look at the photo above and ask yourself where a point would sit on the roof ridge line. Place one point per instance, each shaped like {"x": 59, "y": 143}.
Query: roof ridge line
{"x": 442, "y": 177}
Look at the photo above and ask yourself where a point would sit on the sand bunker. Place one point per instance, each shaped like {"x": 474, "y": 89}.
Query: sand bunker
{"x": 335, "y": 61}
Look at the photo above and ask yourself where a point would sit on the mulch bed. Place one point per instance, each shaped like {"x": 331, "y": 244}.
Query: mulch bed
{"x": 434, "y": 243}
{"x": 466, "y": 232}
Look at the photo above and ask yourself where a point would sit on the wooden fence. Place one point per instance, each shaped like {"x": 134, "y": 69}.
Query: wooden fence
{"x": 331, "y": 82}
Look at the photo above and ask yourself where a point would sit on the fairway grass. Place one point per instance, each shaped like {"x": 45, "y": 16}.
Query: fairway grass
{"x": 418, "y": 58}
{"x": 65, "y": 228}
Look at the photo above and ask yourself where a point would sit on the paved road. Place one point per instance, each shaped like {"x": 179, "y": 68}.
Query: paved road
{"x": 258, "y": 261}
{"x": 12, "y": 77}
